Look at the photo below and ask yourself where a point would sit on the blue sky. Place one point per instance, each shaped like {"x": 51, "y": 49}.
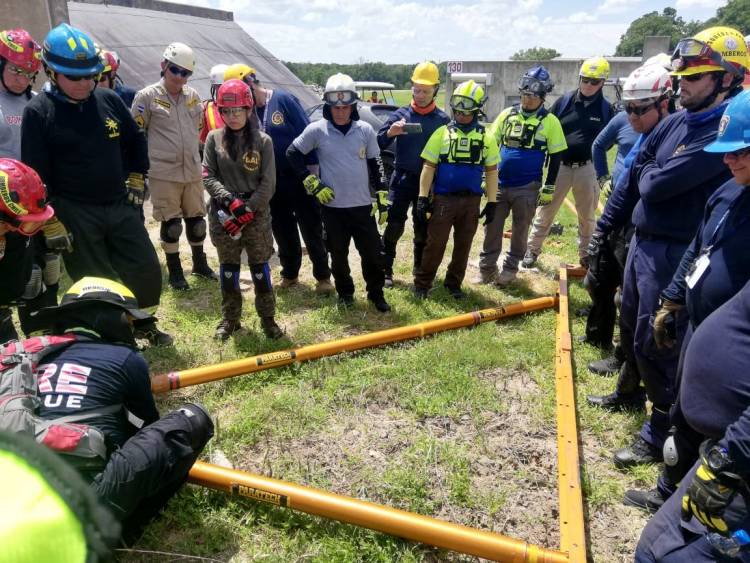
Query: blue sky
{"x": 407, "y": 31}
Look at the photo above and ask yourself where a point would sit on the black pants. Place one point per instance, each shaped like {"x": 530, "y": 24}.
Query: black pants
{"x": 602, "y": 280}
{"x": 111, "y": 241}
{"x": 341, "y": 226}
{"x": 404, "y": 191}
{"x": 141, "y": 476}
{"x": 292, "y": 206}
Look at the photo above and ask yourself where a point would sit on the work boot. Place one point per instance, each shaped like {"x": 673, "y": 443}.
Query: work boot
{"x": 650, "y": 501}
{"x": 324, "y": 287}
{"x": 176, "y": 277}
{"x": 529, "y": 259}
{"x": 270, "y": 328}
{"x": 154, "y": 336}
{"x": 346, "y": 300}
{"x": 455, "y": 291}
{"x": 605, "y": 366}
{"x": 380, "y": 303}
{"x": 286, "y": 283}
{"x": 388, "y": 281}
{"x": 421, "y": 292}
{"x": 200, "y": 264}
{"x": 485, "y": 278}
{"x": 505, "y": 278}
{"x": 640, "y": 452}
{"x": 226, "y": 328}
{"x": 618, "y": 402}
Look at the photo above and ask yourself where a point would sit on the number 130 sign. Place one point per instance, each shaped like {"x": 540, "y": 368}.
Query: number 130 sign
{"x": 455, "y": 66}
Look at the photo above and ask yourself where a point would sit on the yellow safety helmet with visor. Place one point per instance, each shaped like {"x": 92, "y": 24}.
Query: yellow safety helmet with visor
{"x": 714, "y": 49}
{"x": 596, "y": 68}
{"x": 468, "y": 96}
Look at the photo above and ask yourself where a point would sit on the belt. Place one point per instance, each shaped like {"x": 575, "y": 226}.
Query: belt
{"x": 577, "y": 164}
{"x": 648, "y": 236}
{"x": 461, "y": 193}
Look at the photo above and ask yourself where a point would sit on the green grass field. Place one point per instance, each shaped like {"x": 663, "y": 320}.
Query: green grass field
{"x": 460, "y": 426}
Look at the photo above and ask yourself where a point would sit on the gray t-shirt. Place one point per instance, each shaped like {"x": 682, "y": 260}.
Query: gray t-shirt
{"x": 11, "y": 114}
{"x": 343, "y": 159}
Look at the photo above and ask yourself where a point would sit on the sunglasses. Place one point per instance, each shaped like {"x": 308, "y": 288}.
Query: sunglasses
{"x": 21, "y": 72}
{"x": 232, "y": 111}
{"x": 177, "y": 71}
{"x": 592, "y": 81}
{"x": 639, "y": 110}
{"x": 79, "y": 78}
{"x": 693, "y": 77}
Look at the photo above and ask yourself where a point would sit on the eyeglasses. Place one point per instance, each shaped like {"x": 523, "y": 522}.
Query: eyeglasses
{"x": 79, "y": 78}
{"x": 232, "y": 111}
{"x": 592, "y": 81}
{"x": 640, "y": 110}
{"x": 177, "y": 71}
{"x": 693, "y": 77}
{"x": 13, "y": 69}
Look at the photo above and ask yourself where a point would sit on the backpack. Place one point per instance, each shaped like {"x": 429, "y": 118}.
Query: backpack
{"x": 81, "y": 444}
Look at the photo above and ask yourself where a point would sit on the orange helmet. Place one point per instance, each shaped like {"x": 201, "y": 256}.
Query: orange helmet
{"x": 19, "y": 49}
{"x": 23, "y": 197}
{"x": 234, "y": 94}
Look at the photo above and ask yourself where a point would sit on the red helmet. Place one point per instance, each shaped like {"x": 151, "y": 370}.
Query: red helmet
{"x": 19, "y": 48}
{"x": 110, "y": 61}
{"x": 23, "y": 197}
{"x": 234, "y": 94}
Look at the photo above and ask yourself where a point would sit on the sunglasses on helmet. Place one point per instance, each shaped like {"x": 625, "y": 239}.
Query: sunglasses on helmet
{"x": 639, "y": 110}
{"x": 13, "y": 69}
{"x": 692, "y": 52}
{"x": 592, "y": 81}
{"x": 341, "y": 98}
{"x": 177, "y": 71}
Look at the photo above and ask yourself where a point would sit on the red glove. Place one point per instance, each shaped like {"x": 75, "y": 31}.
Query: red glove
{"x": 241, "y": 211}
{"x": 232, "y": 226}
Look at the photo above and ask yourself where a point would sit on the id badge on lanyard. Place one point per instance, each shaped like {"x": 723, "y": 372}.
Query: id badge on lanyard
{"x": 698, "y": 267}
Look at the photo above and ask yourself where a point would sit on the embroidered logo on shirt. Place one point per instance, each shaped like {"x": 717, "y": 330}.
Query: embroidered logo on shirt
{"x": 113, "y": 129}
{"x": 277, "y": 118}
{"x": 163, "y": 103}
{"x": 362, "y": 152}
{"x": 139, "y": 121}
{"x": 251, "y": 161}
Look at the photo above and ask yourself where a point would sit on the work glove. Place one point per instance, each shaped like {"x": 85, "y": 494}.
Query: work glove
{"x": 709, "y": 494}
{"x": 664, "y": 323}
{"x": 240, "y": 211}
{"x": 381, "y": 206}
{"x": 424, "y": 209}
{"x": 489, "y": 212}
{"x": 545, "y": 194}
{"x": 56, "y": 236}
{"x": 136, "y": 185}
{"x": 315, "y": 187}
{"x": 598, "y": 239}
{"x": 232, "y": 227}
{"x": 605, "y": 185}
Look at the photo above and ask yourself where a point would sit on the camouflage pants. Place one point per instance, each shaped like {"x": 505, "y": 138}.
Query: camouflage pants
{"x": 257, "y": 241}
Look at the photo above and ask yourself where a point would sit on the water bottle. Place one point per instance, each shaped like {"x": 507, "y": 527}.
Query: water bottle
{"x": 729, "y": 545}
{"x": 223, "y": 218}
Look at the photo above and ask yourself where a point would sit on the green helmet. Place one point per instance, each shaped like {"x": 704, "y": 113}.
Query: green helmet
{"x": 468, "y": 96}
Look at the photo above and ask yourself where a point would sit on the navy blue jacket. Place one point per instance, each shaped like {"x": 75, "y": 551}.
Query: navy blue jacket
{"x": 284, "y": 120}
{"x": 409, "y": 147}
{"x": 16, "y": 260}
{"x": 96, "y": 374}
{"x": 715, "y": 387}
{"x": 620, "y": 204}
{"x": 617, "y": 132}
{"x": 729, "y": 269}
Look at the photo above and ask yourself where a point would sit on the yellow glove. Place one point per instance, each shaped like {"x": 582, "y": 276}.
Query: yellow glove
{"x": 315, "y": 187}
{"x": 56, "y": 236}
{"x": 381, "y": 206}
{"x": 545, "y": 194}
{"x": 136, "y": 185}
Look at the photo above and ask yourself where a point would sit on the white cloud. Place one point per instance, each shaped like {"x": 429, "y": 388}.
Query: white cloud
{"x": 682, "y": 4}
{"x": 616, "y": 6}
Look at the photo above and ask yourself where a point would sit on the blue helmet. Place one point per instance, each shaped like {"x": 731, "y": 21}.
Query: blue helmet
{"x": 734, "y": 127}
{"x": 537, "y": 81}
{"x": 70, "y": 51}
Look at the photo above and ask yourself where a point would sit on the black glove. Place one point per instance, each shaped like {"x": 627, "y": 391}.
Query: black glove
{"x": 595, "y": 244}
{"x": 489, "y": 212}
{"x": 424, "y": 209}
{"x": 712, "y": 489}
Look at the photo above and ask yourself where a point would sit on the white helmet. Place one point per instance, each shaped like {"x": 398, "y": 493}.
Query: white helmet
{"x": 661, "y": 59}
{"x": 340, "y": 90}
{"x": 648, "y": 82}
{"x": 217, "y": 74}
{"x": 181, "y": 55}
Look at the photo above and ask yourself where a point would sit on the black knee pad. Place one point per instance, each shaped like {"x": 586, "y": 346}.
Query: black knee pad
{"x": 229, "y": 275}
{"x": 171, "y": 230}
{"x": 261, "y": 275}
{"x": 195, "y": 229}
{"x": 202, "y": 427}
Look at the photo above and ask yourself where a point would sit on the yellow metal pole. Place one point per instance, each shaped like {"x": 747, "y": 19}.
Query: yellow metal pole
{"x": 408, "y": 525}
{"x": 572, "y": 529}
{"x": 177, "y": 379}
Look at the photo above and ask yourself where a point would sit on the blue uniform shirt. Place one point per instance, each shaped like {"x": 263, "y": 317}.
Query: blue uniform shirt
{"x": 726, "y": 229}
{"x": 409, "y": 147}
{"x": 617, "y": 132}
{"x": 283, "y": 119}
{"x": 614, "y": 214}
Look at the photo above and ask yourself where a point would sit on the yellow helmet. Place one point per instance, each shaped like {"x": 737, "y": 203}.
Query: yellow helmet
{"x": 595, "y": 67}
{"x": 239, "y": 71}
{"x": 426, "y": 73}
{"x": 713, "y": 49}
{"x": 468, "y": 96}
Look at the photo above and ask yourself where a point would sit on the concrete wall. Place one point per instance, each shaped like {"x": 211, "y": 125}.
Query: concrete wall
{"x": 505, "y": 75}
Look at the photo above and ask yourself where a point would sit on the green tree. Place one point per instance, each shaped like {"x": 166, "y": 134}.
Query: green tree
{"x": 667, "y": 23}
{"x": 535, "y": 54}
{"x": 735, "y": 14}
